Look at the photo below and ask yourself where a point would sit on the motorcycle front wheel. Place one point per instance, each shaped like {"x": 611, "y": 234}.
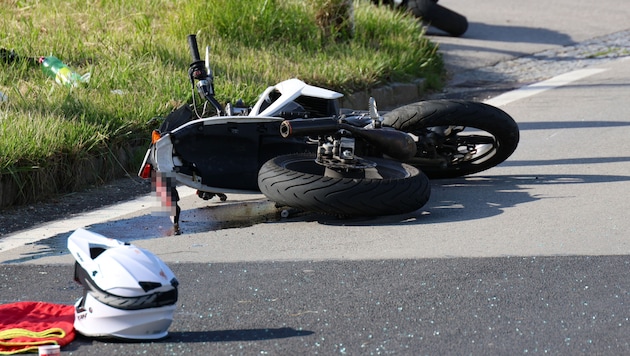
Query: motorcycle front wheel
{"x": 456, "y": 137}
{"x": 389, "y": 188}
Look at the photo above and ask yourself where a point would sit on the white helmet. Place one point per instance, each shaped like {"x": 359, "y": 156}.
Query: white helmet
{"x": 128, "y": 291}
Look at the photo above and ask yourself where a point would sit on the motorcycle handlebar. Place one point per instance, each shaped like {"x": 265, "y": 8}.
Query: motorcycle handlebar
{"x": 194, "y": 50}
{"x": 198, "y": 71}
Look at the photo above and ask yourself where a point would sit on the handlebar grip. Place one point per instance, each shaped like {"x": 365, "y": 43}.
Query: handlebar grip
{"x": 194, "y": 50}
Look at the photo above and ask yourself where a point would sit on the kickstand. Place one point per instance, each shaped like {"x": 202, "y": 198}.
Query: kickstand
{"x": 175, "y": 218}
{"x": 174, "y": 196}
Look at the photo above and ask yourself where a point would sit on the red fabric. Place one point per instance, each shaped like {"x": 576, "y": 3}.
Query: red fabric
{"x": 35, "y": 317}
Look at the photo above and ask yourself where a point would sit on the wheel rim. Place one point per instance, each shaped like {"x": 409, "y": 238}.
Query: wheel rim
{"x": 456, "y": 145}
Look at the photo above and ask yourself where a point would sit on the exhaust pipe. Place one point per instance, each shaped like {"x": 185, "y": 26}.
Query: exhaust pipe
{"x": 396, "y": 144}
{"x": 309, "y": 127}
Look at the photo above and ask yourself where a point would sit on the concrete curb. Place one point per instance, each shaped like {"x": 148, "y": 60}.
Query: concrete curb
{"x": 387, "y": 97}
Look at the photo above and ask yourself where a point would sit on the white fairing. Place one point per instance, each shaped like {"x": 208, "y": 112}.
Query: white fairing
{"x": 290, "y": 90}
{"x": 117, "y": 273}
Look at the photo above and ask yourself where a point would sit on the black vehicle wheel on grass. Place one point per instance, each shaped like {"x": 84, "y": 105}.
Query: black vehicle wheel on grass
{"x": 455, "y": 137}
{"x": 387, "y": 189}
{"x": 438, "y": 16}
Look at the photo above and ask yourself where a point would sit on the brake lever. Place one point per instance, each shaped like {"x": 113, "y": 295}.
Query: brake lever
{"x": 373, "y": 112}
{"x": 205, "y": 84}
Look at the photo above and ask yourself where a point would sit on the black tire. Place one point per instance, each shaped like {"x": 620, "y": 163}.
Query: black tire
{"x": 495, "y": 138}
{"x": 299, "y": 182}
{"x": 438, "y": 16}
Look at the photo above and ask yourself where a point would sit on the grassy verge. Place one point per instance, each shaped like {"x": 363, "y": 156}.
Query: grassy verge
{"x": 137, "y": 55}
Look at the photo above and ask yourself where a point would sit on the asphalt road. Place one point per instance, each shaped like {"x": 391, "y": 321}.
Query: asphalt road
{"x": 530, "y": 256}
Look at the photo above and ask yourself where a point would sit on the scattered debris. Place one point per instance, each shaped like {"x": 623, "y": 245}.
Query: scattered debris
{"x": 55, "y": 68}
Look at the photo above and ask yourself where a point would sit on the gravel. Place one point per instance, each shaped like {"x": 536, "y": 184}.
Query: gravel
{"x": 483, "y": 83}
{"x": 478, "y": 84}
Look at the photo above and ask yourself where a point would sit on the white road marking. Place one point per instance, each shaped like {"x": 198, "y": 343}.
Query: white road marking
{"x": 537, "y": 88}
{"x": 55, "y": 228}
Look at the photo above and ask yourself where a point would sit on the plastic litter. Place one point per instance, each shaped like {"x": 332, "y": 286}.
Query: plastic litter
{"x": 56, "y": 69}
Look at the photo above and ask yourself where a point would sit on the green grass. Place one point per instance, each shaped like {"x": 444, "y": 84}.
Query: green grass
{"x": 138, "y": 58}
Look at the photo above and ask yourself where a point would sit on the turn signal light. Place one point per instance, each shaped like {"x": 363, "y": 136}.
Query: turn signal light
{"x": 155, "y": 136}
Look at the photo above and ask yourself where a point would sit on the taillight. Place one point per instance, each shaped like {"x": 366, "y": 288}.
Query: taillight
{"x": 145, "y": 173}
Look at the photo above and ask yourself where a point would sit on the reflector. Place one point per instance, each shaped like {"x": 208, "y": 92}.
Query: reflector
{"x": 146, "y": 171}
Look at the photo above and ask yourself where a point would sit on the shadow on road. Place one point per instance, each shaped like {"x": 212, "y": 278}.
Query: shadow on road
{"x": 508, "y": 33}
{"x": 478, "y": 197}
{"x": 200, "y": 336}
{"x": 555, "y": 125}
{"x": 452, "y": 200}
{"x": 236, "y": 335}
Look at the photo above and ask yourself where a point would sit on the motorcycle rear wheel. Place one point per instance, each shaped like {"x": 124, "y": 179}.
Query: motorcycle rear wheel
{"x": 456, "y": 137}
{"x": 390, "y": 188}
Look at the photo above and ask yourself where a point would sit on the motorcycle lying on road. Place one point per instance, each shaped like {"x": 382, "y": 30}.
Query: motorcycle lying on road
{"x": 301, "y": 150}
